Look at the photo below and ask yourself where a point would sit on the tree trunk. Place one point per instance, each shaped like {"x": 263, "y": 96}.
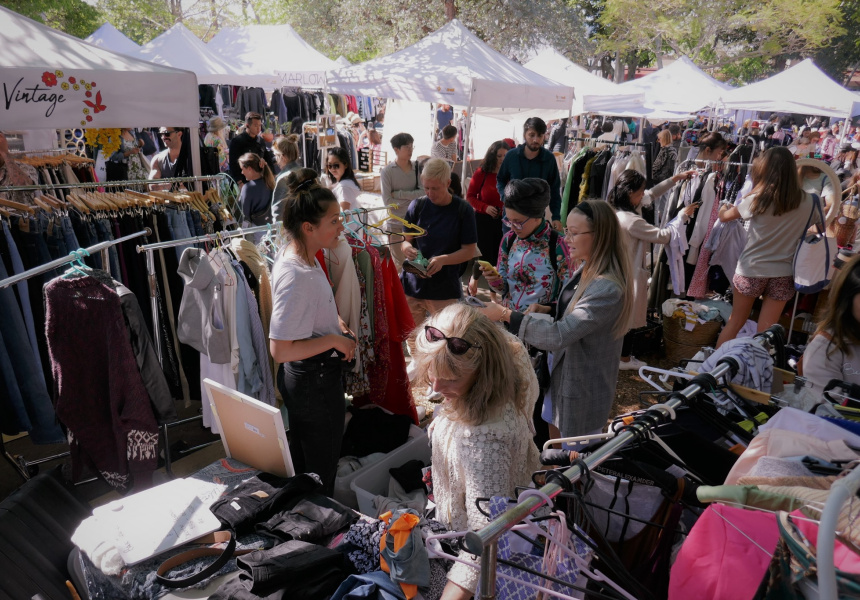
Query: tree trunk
{"x": 213, "y": 15}
{"x": 658, "y": 51}
{"x": 619, "y": 68}
{"x": 632, "y": 64}
{"x": 450, "y": 10}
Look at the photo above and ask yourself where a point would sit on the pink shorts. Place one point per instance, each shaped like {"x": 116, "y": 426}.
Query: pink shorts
{"x": 778, "y": 288}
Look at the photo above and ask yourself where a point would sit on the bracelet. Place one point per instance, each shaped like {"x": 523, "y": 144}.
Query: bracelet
{"x": 505, "y": 313}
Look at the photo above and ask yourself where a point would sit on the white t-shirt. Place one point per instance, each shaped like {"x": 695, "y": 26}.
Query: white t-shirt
{"x": 347, "y": 191}
{"x": 303, "y": 301}
{"x": 772, "y": 241}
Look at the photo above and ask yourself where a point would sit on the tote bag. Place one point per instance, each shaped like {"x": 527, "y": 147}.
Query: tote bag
{"x": 813, "y": 259}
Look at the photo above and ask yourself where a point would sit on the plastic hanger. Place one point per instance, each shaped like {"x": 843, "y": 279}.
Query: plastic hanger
{"x": 77, "y": 267}
{"x": 416, "y": 230}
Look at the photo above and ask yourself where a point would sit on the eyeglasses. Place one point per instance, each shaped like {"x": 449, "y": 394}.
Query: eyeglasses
{"x": 334, "y": 165}
{"x": 166, "y": 134}
{"x": 457, "y": 346}
{"x": 516, "y": 225}
{"x": 573, "y": 234}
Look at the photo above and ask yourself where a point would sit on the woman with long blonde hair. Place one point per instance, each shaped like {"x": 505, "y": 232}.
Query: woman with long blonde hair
{"x": 588, "y": 322}
{"x": 481, "y": 435}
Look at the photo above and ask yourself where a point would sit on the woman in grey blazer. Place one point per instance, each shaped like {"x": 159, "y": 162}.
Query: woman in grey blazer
{"x": 585, "y": 329}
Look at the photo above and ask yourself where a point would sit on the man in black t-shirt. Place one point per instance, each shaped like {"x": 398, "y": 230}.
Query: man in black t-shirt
{"x": 250, "y": 141}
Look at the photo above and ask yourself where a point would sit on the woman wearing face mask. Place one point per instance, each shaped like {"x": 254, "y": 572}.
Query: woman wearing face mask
{"x": 481, "y": 434}
{"x": 306, "y": 329}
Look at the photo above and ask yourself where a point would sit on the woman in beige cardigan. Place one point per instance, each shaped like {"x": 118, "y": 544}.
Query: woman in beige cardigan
{"x": 626, "y": 197}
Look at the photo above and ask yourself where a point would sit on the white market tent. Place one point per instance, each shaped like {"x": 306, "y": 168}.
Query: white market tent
{"x": 55, "y": 81}
{"x": 342, "y": 61}
{"x": 179, "y": 48}
{"x": 274, "y": 55}
{"x": 110, "y": 38}
{"x": 803, "y": 89}
{"x": 680, "y": 87}
{"x": 553, "y": 65}
{"x": 452, "y": 66}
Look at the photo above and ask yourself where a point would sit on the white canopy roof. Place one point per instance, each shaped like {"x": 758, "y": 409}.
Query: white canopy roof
{"x": 52, "y": 80}
{"x": 553, "y": 65}
{"x": 275, "y": 55}
{"x": 179, "y": 48}
{"x": 342, "y": 61}
{"x": 110, "y": 38}
{"x": 803, "y": 88}
{"x": 452, "y": 66}
{"x": 680, "y": 87}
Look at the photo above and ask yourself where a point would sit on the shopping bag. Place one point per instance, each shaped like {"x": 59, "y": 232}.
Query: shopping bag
{"x": 813, "y": 259}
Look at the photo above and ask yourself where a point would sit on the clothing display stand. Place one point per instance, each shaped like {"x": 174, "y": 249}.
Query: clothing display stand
{"x": 648, "y": 146}
{"x": 221, "y": 236}
{"x": 484, "y": 542}
{"x": 18, "y": 462}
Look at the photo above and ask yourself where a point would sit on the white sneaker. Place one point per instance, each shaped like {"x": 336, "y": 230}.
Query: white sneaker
{"x": 632, "y": 365}
{"x": 422, "y": 412}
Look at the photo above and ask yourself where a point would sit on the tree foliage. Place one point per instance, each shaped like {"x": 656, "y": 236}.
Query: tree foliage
{"x": 363, "y": 29}
{"x": 733, "y": 34}
{"x": 74, "y": 17}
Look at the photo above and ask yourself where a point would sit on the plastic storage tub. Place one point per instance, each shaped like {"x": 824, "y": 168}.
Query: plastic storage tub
{"x": 372, "y": 480}
{"x": 342, "y": 486}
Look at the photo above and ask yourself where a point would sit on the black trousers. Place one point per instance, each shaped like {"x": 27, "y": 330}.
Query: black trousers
{"x": 313, "y": 394}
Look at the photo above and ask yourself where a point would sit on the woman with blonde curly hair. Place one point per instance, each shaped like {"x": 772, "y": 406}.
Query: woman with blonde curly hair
{"x": 481, "y": 435}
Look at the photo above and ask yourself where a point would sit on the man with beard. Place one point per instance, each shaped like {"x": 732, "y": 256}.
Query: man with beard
{"x": 531, "y": 159}
{"x": 252, "y": 141}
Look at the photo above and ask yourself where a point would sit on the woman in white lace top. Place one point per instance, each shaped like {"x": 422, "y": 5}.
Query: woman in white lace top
{"x": 482, "y": 433}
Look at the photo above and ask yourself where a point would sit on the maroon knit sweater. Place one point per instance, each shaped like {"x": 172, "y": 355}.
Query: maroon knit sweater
{"x": 99, "y": 392}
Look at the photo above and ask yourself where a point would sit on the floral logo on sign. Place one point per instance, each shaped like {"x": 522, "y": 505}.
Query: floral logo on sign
{"x": 93, "y": 105}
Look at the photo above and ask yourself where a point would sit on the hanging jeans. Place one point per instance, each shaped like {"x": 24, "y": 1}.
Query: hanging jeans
{"x": 103, "y": 230}
{"x": 312, "y": 390}
{"x": 177, "y": 223}
{"x": 27, "y": 398}
{"x": 23, "y": 293}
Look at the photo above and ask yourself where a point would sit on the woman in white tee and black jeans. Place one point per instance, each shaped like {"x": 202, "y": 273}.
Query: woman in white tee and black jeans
{"x": 306, "y": 333}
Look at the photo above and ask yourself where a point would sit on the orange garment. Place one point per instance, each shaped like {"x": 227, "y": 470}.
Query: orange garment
{"x": 401, "y": 530}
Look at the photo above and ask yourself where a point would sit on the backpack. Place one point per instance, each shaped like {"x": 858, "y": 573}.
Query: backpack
{"x": 553, "y": 243}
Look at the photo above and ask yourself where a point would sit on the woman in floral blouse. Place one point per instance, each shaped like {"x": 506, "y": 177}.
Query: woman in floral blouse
{"x": 528, "y": 274}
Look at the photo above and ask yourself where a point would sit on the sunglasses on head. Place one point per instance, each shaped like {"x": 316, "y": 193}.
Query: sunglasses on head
{"x": 456, "y": 345}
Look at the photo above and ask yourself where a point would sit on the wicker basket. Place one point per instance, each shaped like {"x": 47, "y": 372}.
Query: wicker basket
{"x": 846, "y": 224}
{"x": 681, "y": 343}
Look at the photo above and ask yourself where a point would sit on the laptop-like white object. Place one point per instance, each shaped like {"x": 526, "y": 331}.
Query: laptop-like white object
{"x": 252, "y": 431}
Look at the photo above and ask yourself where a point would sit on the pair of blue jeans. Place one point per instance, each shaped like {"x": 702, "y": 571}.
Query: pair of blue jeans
{"x": 26, "y": 405}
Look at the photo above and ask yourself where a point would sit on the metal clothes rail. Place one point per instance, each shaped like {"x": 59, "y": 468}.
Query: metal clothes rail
{"x": 485, "y": 541}
{"x": 648, "y": 146}
{"x": 18, "y": 462}
{"x": 153, "y": 298}
{"x": 111, "y": 184}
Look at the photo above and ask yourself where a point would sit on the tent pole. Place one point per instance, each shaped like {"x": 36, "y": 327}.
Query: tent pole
{"x": 195, "y": 157}
{"x": 844, "y": 129}
{"x": 467, "y": 137}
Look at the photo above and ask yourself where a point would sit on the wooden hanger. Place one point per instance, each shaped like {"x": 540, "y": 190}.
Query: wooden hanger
{"x": 53, "y": 201}
{"x": 17, "y": 206}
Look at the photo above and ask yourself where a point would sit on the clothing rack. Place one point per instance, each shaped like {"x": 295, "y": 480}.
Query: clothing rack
{"x": 648, "y": 146}
{"x": 485, "y": 541}
{"x": 111, "y": 184}
{"x": 153, "y": 298}
{"x": 18, "y": 462}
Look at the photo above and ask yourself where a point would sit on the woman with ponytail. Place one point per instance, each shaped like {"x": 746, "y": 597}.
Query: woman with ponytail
{"x": 306, "y": 334}
{"x": 626, "y": 197}
{"x": 256, "y": 195}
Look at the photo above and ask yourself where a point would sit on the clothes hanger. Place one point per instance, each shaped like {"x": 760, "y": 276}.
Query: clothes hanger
{"x": 77, "y": 267}
{"x": 416, "y": 230}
